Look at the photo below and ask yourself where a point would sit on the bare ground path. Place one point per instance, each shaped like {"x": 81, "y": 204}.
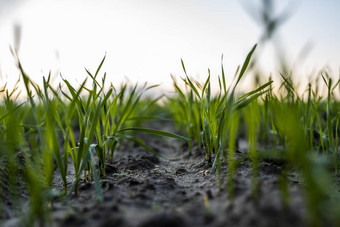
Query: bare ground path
{"x": 141, "y": 189}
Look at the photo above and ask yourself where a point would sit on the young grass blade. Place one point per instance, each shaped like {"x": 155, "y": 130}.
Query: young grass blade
{"x": 99, "y": 67}
{"x": 245, "y": 102}
{"x": 149, "y": 118}
{"x": 12, "y": 111}
{"x": 223, "y": 77}
{"x": 142, "y": 144}
{"x": 152, "y": 86}
{"x": 83, "y": 165}
{"x": 107, "y": 96}
{"x": 95, "y": 174}
{"x": 153, "y": 102}
{"x": 153, "y": 131}
{"x": 193, "y": 87}
{"x": 183, "y": 67}
{"x": 93, "y": 78}
{"x": 256, "y": 90}
{"x": 206, "y": 84}
{"x": 245, "y": 65}
{"x": 125, "y": 112}
{"x": 76, "y": 94}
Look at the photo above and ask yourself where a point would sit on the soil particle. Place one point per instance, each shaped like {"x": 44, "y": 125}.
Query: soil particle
{"x": 164, "y": 220}
{"x": 149, "y": 186}
{"x": 86, "y": 186}
{"x": 209, "y": 194}
{"x": 133, "y": 182}
{"x": 139, "y": 164}
{"x": 73, "y": 220}
{"x": 152, "y": 158}
{"x": 107, "y": 185}
{"x": 180, "y": 171}
{"x": 270, "y": 168}
{"x": 113, "y": 220}
{"x": 201, "y": 165}
{"x": 110, "y": 169}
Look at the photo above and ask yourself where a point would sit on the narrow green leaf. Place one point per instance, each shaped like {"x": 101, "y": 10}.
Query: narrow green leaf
{"x": 154, "y": 131}
{"x": 245, "y": 64}
{"x": 95, "y": 174}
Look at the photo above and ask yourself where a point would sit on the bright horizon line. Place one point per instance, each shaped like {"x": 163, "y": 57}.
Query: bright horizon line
{"x": 148, "y": 46}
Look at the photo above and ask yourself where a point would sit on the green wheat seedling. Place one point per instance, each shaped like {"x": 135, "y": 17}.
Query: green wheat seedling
{"x": 186, "y": 111}
{"x": 302, "y": 128}
{"x": 40, "y": 134}
{"x": 232, "y": 164}
{"x": 85, "y": 125}
{"x": 214, "y": 112}
{"x": 26, "y": 153}
{"x": 10, "y": 155}
{"x": 215, "y": 118}
{"x": 317, "y": 180}
{"x": 252, "y": 118}
{"x": 104, "y": 121}
{"x": 218, "y": 126}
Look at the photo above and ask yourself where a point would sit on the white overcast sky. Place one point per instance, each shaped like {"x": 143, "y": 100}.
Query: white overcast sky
{"x": 144, "y": 40}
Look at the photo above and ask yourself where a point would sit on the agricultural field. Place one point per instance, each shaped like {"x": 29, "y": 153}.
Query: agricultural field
{"x": 99, "y": 155}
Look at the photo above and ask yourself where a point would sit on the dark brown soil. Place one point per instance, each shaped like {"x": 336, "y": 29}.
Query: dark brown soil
{"x": 176, "y": 190}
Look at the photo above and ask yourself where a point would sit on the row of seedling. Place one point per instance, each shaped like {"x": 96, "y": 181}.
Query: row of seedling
{"x": 40, "y": 135}
{"x": 301, "y": 131}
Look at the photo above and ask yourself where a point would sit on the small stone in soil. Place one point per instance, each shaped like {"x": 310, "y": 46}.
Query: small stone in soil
{"x": 180, "y": 171}
{"x": 209, "y": 194}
